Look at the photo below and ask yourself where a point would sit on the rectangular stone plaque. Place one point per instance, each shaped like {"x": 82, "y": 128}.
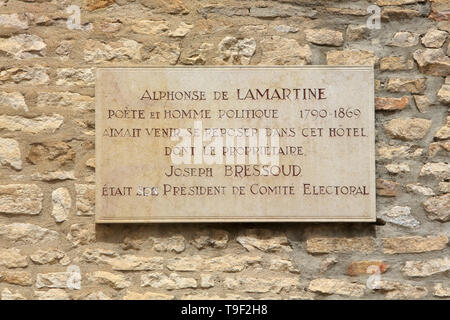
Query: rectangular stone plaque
{"x": 235, "y": 144}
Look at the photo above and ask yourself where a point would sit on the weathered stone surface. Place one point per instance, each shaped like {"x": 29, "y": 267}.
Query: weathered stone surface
{"x": 21, "y": 278}
{"x": 135, "y": 263}
{"x": 85, "y": 199}
{"x": 274, "y": 12}
{"x": 391, "y": 104}
{"x": 175, "y": 243}
{"x": 12, "y": 258}
{"x": 44, "y": 21}
{"x": 75, "y": 77}
{"x": 8, "y": 295}
{"x": 340, "y": 245}
{"x": 113, "y": 280}
{"x": 422, "y": 103}
{"x": 196, "y": 56}
{"x": 396, "y": 168}
{"x": 347, "y": 11}
{"x": 254, "y": 29}
{"x": 223, "y": 10}
{"x": 414, "y": 244}
{"x": 166, "y": 6}
{"x": 419, "y": 190}
{"x": 10, "y": 153}
{"x": 97, "y": 4}
{"x": 96, "y": 295}
{"x": 215, "y": 238}
{"x": 444, "y": 132}
{"x": 135, "y": 243}
{"x": 121, "y": 50}
{"x": 324, "y": 37}
{"x": 327, "y": 263}
{"x": 23, "y": 46}
{"x": 438, "y": 208}
{"x": 400, "y": 216}
{"x": 108, "y": 25}
{"x": 444, "y": 187}
{"x": 98, "y": 255}
{"x": 48, "y": 256}
{"x": 53, "y": 175}
{"x": 163, "y": 54}
{"x": 10, "y": 23}
{"x": 363, "y": 267}
{"x": 207, "y": 281}
{"x": 21, "y": 199}
{"x": 62, "y": 203}
{"x": 440, "y": 147}
{"x": 236, "y": 51}
{"x": 90, "y": 163}
{"x": 441, "y": 291}
{"x": 31, "y": 125}
{"x": 14, "y": 100}
{"x": 130, "y": 295}
{"x": 64, "y": 48}
{"x": 443, "y": 94}
{"x": 401, "y": 290}
{"x": 181, "y": 31}
{"x": 52, "y": 294}
{"x": 154, "y": 27}
{"x": 261, "y": 285}
{"x": 387, "y": 188}
{"x": 434, "y": 38}
{"x": 383, "y": 3}
{"x": 385, "y": 152}
{"x": 209, "y": 296}
{"x": 439, "y": 170}
{"x": 65, "y": 261}
{"x": 171, "y": 282}
{"x": 282, "y": 51}
{"x": 282, "y": 265}
{"x": 396, "y": 64}
{"x": 432, "y": 62}
{"x": 225, "y": 263}
{"x": 355, "y": 32}
{"x": 26, "y": 233}
{"x": 439, "y": 10}
{"x": 24, "y": 75}
{"x": 73, "y": 101}
{"x": 406, "y": 85}
{"x": 408, "y": 129}
{"x": 48, "y": 153}
{"x": 398, "y": 13}
{"x": 351, "y": 57}
{"x": 53, "y": 280}
{"x": 264, "y": 239}
{"x": 426, "y": 268}
{"x": 285, "y": 28}
{"x": 404, "y": 39}
{"x": 337, "y": 286}
{"x": 81, "y": 234}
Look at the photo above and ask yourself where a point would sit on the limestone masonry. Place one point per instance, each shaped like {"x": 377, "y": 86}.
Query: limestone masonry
{"x": 50, "y": 246}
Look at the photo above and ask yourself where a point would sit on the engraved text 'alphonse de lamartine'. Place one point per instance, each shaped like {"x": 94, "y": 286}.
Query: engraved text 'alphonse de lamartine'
{"x": 234, "y": 144}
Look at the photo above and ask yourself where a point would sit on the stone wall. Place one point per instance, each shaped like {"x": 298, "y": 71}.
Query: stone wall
{"x": 47, "y": 229}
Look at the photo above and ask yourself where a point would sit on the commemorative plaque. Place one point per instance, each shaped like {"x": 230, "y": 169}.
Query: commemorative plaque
{"x": 235, "y": 144}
